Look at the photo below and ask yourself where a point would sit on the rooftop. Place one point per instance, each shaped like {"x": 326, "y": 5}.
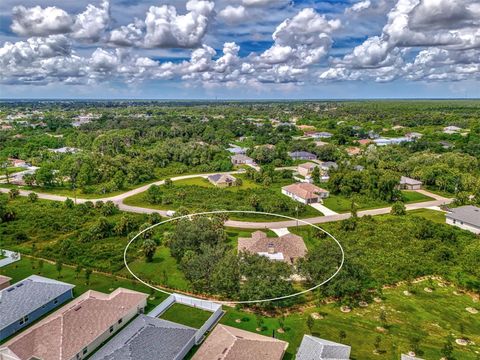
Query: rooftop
{"x": 313, "y": 348}
{"x": 147, "y": 338}
{"x": 221, "y": 178}
{"x": 290, "y": 246}
{"x": 409, "y": 181}
{"x": 469, "y": 214}
{"x": 228, "y": 343}
{"x": 304, "y": 190}
{"x": 68, "y": 330}
{"x": 23, "y": 297}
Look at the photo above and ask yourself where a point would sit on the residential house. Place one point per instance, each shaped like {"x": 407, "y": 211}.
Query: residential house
{"x": 359, "y": 168}
{"x": 446, "y": 145}
{"x": 407, "y": 183}
{"x": 354, "y": 150}
{"x": 302, "y": 155}
{"x": 364, "y": 141}
{"x": 25, "y": 301}
{"x": 78, "y": 328}
{"x": 228, "y": 343}
{"x": 305, "y": 193}
{"x": 320, "y": 143}
{"x": 391, "y": 141}
{"x": 452, "y": 129}
{"x": 398, "y": 127}
{"x": 4, "y": 127}
{"x": 4, "y": 282}
{"x": 287, "y": 248}
{"x": 237, "y": 150}
{"x": 314, "y": 348}
{"x": 241, "y": 159}
{"x": 65, "y": 150}
{"x": 328, "y": 165}
{"x": 465, "y": 217}
{"x": 222, "y": 180}
{"x": 318, "y": 134}
{"x": 149, "y": 338}
{"x": 306, "y": 169}
{"x": 306, "y": 127}
{"x": 18, "y": 163}
{"x": 413, "y": 135}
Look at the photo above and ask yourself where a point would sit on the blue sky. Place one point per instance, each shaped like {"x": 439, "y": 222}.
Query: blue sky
{"x": 239, "y": 49}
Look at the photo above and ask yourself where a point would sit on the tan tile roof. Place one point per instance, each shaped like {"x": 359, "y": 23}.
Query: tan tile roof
{"x": 68, "y": 330}
{"x": 4, "y": 281}
{"x": 308, "y": 165}
{"x": 304, "y": 190}
{"x": 228, "y": 343}
{"x": 290, "y": 245}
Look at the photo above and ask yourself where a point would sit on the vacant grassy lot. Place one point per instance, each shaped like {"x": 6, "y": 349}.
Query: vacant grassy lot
{"x": 186, "y": 315}
{"x": 341, "y": 204}
{"x": 434, "y": 215}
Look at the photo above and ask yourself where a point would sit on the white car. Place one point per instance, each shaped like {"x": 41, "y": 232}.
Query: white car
{"x": 170, "y": 213}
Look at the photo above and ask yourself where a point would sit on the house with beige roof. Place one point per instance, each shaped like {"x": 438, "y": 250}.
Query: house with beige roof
{"x": 228, "y": 343}
{"x": 242, "y": 159}
{"x": 306, "y": 169}
{"x": 4, "y": 282}
{"x": 287, "y": 248}
{"x": 222, "y": 180}
{"x": 407, "y": 183}
{"x": 78, "y": 328}
{"x": 305, "y": 193}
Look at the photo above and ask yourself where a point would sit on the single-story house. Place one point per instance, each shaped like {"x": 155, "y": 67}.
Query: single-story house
{"x": 4, "y": 282}
{"x": 465, "y": 217}
{"x": 413, "y": 135}
{"x": 241, "y": 159}
{"x": 18, "y": 163}
{"x": 305, "y": 193}
{"x": 364, "y": 141}
{"x": 391, "y": 141}
{"x": 328, "y": 165}
{"x": 452, "y": 129}
{"x": 149, "y": 338}
{"x": 25, "y": 301}
{"x": 320, "y": 143}
{"x": 237, "y": 150}
{"x": 287, "y": 248}
{"x": 65, "y": 150}
{"x": 446, "y": 144}
{"x": 78, "y": 328}
{"x": 302, "y": 155}
{"x": 306, "y": 127}
{"x": 222, "y": 180}
{"x": 354, "y": 150}
{"x": 306, "y": 169}
{"x": 318, "y": 134}
{"x": 228, "y": 343}
{"x": 314, "y": 348}
{"x": 407, "y": 183}
{"x": 359, "y": 168}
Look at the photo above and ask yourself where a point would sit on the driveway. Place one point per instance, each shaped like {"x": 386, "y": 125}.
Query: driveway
{"x": 323, "y": 209}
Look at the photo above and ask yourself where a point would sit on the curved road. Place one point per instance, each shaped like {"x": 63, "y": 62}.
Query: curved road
{"x": 118, "y": 200}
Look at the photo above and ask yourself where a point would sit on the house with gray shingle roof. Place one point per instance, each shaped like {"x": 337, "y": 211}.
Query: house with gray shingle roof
{"x": 313, "y": 348}
{"x": 409, "y": 357}
{"x": 222, "y": 180}
{"x": 149, "y": 338}
{"x": 27, "y": 300}
{"x": 465, "y": 217}
{"x": 302, "y": 155}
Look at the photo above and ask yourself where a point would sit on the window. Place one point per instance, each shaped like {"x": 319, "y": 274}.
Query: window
{"x": 120, "y": 321}
{"x": 55, "y": 301}
{"x": 111, "y": 328}
{"x": 84, "y": 351}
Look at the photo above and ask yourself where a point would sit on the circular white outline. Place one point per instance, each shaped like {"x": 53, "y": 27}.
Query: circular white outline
{"x": 244, "y": 212}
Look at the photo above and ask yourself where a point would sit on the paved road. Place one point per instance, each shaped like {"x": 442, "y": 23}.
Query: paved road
{"x": 118, "y": 199}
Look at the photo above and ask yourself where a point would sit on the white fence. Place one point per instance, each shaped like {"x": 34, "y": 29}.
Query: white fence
{"x": 216, "y": 309}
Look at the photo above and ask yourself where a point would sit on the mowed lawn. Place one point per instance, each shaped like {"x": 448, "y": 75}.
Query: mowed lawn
{"x": 342, "y": 204}
{"x": 186, "y": 315}
{"x": 434, "y": 215}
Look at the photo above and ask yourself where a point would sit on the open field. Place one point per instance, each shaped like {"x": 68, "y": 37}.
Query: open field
{"x": 342, "y": 204}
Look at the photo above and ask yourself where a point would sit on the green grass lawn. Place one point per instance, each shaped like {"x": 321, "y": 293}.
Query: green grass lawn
{"x": 186, "y": 315}
{"x": 434, "y": 215}
{"x": 342, "y": 204}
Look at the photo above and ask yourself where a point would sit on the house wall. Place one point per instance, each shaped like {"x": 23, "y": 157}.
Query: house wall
{"x": 462, "y": 225}
{"x": 34, "y": 315}
{"x": 116, "y": 326}
{"x": 294, "y": 197}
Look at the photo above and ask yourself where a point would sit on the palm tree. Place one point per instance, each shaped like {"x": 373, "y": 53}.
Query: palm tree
{"x": 149, "y": 246}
